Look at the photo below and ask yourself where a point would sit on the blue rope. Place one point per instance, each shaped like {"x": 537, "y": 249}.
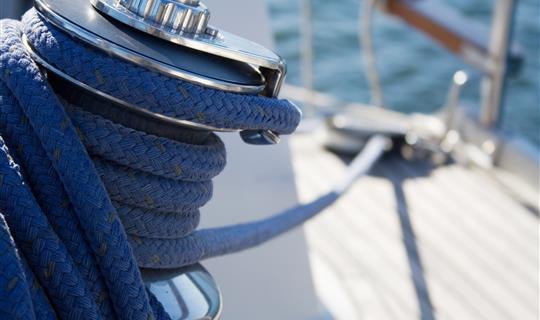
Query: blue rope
{"x": 64, "y": 207}
{"x": 85, "y": 202}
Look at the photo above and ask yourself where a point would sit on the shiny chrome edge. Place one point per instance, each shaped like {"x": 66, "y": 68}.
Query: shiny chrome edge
{"x": 260, "y": 137}
{"x": 226, "y": 45}
{"x": 199, "y": 277}
{"x": 184, "y": 16}
{"x": 216, "y": 311}
{"x": 173, "y": 121}
{"x": 139, "y": 59}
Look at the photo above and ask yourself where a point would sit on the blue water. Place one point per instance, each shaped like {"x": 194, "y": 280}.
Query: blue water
{"x": 415, "y": 71}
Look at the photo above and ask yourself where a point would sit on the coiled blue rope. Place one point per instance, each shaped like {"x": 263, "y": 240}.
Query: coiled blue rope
{"x": 84, "y": 201}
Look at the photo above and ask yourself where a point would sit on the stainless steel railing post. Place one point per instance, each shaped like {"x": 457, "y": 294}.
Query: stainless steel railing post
{"x": 493, "y": 84}
{"x": 306, "y": 30}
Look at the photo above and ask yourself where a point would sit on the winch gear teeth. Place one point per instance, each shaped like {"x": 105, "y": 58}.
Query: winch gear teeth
{"x": 180, "y": 16}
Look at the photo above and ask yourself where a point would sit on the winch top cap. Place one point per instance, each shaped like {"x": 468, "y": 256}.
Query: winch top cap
{"x": 194, "y": 51}
{"x": 185, "y": 22}
{"x": 179, "y": 16}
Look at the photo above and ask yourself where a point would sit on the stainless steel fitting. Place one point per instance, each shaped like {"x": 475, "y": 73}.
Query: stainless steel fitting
{"x": 180, "y": 16}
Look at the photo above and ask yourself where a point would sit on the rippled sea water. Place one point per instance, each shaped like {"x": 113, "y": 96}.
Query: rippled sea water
{"x": 415, "y": 71}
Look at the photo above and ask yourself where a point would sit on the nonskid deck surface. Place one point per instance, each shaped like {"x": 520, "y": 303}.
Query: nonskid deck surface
{"x": 411, "y": 241}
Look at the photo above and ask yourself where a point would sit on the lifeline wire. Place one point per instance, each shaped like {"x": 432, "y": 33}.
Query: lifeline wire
{"x": 84, "y": 201}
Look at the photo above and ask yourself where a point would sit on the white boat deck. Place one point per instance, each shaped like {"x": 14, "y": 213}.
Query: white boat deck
{"x": 414, "y": 242}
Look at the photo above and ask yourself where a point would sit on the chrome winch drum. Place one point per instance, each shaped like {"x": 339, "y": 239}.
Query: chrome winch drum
{"x": 171, "y": 37}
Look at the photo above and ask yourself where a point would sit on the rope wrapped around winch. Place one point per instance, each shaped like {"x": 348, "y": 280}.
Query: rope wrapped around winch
{"x": 85, "y": 202}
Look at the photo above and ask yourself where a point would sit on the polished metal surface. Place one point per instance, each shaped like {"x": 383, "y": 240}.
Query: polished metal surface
{"x": 180, "y": 16}
{"x": 81, "y": 20}
{"x": 185, "y": 293}
{"x": 219, "y": 43}
{"x": 260, "y": 137}
{"x": 494, "y": 82}
{"x": 168, "y": 25}
{"x": 225, "y": 62}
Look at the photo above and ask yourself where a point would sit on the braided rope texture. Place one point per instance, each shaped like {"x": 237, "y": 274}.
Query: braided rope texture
{"x": 84, "y": 201}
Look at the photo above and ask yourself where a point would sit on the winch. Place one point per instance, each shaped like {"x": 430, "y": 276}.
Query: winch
{"x": 174, "y": 38}
{"x": 107, "y": 146}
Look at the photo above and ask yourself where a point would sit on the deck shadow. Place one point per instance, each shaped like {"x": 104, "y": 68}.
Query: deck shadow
{"x": 398, "y": 177}
{"x": 386, "y": 169}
